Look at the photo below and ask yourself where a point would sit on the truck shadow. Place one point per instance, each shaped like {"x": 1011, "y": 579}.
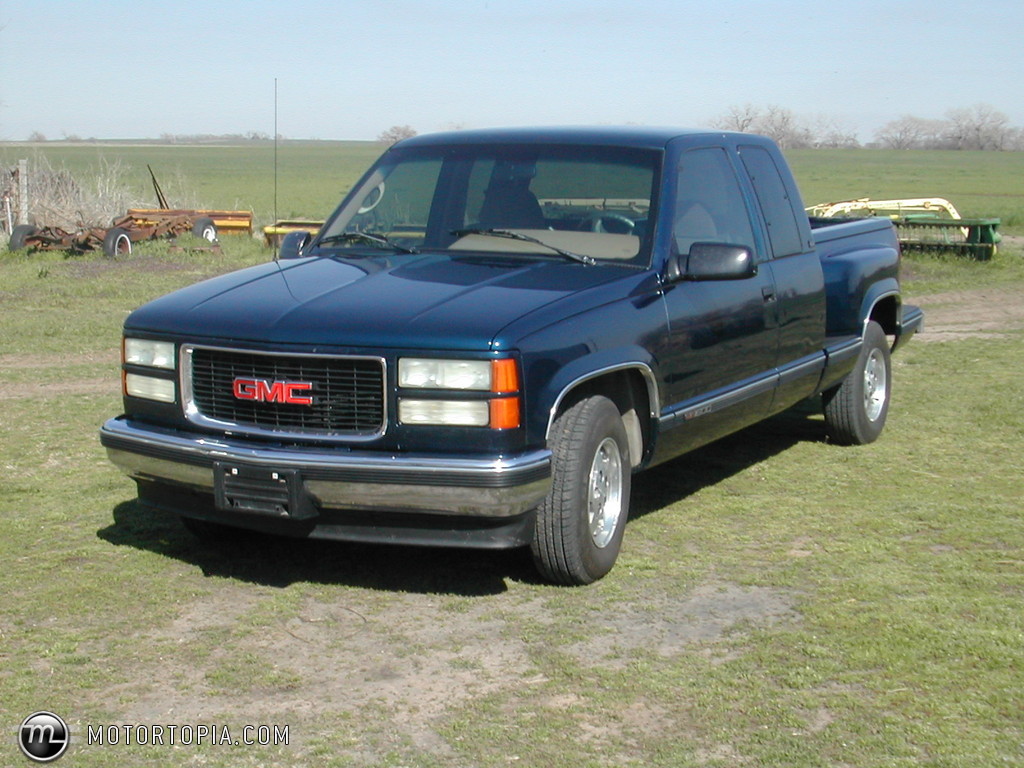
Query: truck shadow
{"x": 279, "y": 562}
{"x": 705, "y": 467}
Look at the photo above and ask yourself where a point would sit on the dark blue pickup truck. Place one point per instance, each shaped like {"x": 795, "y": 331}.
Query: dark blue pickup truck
{"x": 495, "y": 330}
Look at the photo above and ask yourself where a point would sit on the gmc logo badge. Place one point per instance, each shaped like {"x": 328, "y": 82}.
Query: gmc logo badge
{"x": 263, "y": 391}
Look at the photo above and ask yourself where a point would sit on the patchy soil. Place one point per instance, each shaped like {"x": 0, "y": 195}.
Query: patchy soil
{"x": 415, "y": 657}
{"x": 47, "y": 382}
{"x": 983, "y": 313}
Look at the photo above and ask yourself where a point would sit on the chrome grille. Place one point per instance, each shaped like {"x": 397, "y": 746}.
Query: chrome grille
{"x": 347, "y": 392}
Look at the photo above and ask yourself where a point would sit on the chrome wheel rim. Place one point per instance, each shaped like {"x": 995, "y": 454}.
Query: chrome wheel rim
{"x": 604, "y": 497}
{"x": 875, "y": 385}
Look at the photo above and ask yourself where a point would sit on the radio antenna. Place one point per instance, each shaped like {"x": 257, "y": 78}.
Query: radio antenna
{"x": 276, "y": 244}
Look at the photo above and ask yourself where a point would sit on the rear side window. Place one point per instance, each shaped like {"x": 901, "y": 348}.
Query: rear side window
{"x": 773, "y": 197}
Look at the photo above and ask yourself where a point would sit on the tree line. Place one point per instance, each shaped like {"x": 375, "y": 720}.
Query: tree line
{"x": 981, "y": 127}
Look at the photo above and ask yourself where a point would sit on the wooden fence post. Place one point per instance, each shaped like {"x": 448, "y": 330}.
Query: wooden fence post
{"x": 23, "y": 191}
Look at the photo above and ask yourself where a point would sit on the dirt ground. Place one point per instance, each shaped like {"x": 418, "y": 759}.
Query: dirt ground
{"x": 977, "y": 313}
{"x": 971, "y": 314}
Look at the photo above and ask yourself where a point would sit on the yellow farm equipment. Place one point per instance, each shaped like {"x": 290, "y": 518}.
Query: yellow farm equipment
{"x": 923, "y": 224}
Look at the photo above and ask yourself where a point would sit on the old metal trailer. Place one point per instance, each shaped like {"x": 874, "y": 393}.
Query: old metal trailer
{"x": 116, "y": 240}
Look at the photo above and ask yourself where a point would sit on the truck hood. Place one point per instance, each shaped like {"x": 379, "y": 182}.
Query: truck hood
{"x": 429, "y": 300}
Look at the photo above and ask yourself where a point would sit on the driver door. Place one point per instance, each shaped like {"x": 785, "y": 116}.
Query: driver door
{"x": 721, "y": 345}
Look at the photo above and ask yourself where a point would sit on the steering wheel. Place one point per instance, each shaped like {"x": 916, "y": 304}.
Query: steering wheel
{"x": 611, "y": 223}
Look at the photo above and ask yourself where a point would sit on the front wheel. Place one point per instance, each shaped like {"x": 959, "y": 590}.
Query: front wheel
{"x": 578, "y": 533}
{"x": 856, "y": 409}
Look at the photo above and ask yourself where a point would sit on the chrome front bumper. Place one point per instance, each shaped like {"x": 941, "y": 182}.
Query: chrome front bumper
{"x": 338, "y": 479}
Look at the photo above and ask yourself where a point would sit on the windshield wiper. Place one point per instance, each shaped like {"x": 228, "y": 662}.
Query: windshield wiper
{"x": 510, "y": 235}
{"x": 381, "y": 241}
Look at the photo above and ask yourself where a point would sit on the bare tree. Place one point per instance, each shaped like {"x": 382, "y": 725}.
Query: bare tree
{"x": 782, "y": 125}
{"x": 978, "y": 127}
{"x": 910, "y": 132}
{"x": 773, "y": 121}
{"x": 742, "y": 119}
{"x": 830, "y": 133}
{"x": 395, "y": 134}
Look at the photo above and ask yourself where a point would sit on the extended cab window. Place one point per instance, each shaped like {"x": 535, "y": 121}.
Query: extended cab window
{"x": 589, "y": 201}
{"x": 709, "y": 205}
{"x": 773, "y": 197}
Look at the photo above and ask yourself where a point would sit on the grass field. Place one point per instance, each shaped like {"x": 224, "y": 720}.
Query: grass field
{"x": 779, "y": 601}
{"x": 312, "y": 176}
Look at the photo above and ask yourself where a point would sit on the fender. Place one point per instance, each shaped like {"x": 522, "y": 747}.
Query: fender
{"x": 642, "y": 367}
{"x": 855, "y": 282}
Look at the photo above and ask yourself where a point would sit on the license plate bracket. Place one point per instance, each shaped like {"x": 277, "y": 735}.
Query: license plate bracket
{"x": 275, "y": 493}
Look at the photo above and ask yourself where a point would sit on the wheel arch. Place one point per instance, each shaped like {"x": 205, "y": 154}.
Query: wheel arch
{"x": 632, "y": 387}
{"x": 886, "y": 312}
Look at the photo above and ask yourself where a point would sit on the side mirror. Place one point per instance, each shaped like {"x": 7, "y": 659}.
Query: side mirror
{"x": 713, "y": 261}
{"x": 292, "y": 244}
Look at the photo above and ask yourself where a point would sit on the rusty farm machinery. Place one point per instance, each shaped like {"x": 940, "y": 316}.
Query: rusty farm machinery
{"x": 136, "y": 225}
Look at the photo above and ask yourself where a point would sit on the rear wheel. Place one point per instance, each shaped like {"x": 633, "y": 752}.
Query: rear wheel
{"x": 855, "y": 411}
{"x": 117, "y": 243}
{"x": 579, "y": 528}
{"x": 18, "y": 236}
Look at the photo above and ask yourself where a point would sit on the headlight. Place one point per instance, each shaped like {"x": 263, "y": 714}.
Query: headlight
{"x": 472, "y": 375}
{"x": 496, "y": 377}
{"x": 149, "y": 387}
{"x": 155, "y": 354}
{"x": 451, "y": 413}
{"x": 415, "y": 373}
{"x": 145, "y": 353}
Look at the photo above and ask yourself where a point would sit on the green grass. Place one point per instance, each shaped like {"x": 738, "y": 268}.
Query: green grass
{"x": 312, "y": 176}
{"x": 979, "y": 184}
{"x": 780, "y": 601}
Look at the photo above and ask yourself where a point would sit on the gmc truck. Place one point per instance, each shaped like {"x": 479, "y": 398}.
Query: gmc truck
{"x": 496, "y": 330}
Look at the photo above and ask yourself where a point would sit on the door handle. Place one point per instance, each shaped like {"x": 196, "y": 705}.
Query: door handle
{"x": 768, "y": 293}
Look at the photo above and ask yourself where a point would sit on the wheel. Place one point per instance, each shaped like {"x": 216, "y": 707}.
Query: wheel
{"x": 117, "y": 243}
{"x": 19, "y": 235}
{"x": 578, "y": 533}
{"x": 206, "y": 229}
{"x": 612, "y": 223}
{"x": 855, "y": 410}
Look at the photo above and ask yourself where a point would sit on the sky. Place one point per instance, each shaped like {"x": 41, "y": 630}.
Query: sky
{"x": 350, "y": 70}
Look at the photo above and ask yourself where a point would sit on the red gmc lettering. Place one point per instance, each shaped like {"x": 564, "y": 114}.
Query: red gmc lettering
{"x": 263, "y": 391}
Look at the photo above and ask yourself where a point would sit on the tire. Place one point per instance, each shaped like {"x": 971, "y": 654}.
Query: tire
{"x": 579, "y": 527}
{"x": 856, "y": 409}
{"x": 117, "y": 243}
{"x": 18, "y": 236}
{"x": 205, "y": 228}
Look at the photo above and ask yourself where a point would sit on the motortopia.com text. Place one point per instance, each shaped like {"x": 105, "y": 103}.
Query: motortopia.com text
{"x": 186, "y": 735}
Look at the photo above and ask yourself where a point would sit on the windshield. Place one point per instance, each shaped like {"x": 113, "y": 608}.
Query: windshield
{"x": 581, "y": 203}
